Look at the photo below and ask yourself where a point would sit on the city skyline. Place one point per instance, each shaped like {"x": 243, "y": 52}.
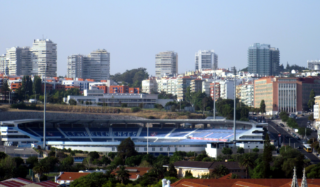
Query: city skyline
{"x": 234, "y": 29}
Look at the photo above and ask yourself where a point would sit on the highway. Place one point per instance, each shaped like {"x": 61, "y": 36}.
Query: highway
{"x": 275, "y": 130}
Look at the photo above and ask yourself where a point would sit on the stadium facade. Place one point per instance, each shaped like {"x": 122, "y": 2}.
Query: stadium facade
{"x": 153, "y": 136}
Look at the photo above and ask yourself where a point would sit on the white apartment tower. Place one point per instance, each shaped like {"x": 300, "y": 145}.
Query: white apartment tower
{"x": 18, "y": 61}
{"x": 166, "y": 63}
{"x": 75, "y": 66}
{"x": 44, "y": 58}
{"x": 206, "y": 59}
{"x": 4, "y": 65}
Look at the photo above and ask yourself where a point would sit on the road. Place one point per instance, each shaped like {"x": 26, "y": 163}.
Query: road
{"x": 275, "y": 129}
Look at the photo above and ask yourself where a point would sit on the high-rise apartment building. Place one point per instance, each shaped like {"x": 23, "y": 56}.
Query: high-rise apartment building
{"x": 94, "y": 66}
{"x": 18, "y": 61}
{"x": 44, "y": 58}
{"x": 4, "y": 65}
{"x": 97, "y": 65}
{"x": 206, "y": 59}
{"x": 75, "y": 66}
{"x": 263, "y": 59}
{"x": 166, "y": 63}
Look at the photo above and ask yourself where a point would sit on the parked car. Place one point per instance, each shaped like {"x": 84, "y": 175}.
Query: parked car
{"x": 298, "y": 138}
{"x": 299, "y": 147}
{"x": 282, "y": 125}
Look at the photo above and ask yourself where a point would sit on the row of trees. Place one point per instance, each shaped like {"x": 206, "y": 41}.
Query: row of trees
{"x": 132, "y": 78}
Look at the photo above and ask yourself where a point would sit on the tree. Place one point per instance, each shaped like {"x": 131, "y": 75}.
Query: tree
{"x": 37, "y": 85}
{"x": 262, "y": 107}
{"x": 314, "y": 171}
{"x": 240, "y": 150}
{"x": 123, "y": 174}
{"x": 284, "y": 116}
{"x": 220, "y": 171}
{"x": 172, "y": 172}
{"x": 112, "y": 155}
{"x": 40, "y": 168}
{"x": 126, "y": 148}
{"x": 67, "y": 163}
{"x": 266, "y": 157}
{"x": 18, "y": 160}
{"x": 4, "y": 90}
{"x": 92, "y": 180}
{"x": 227, "y": 151}
{"x": 72, "y": 102}
{"x": 311, "y": 100}
{"x": 188, "y": 174}
{"x": 247, "y": 161}
{"x": 94, "y": 155}
{"x": 255, "y": 150}
{"x": 7, "y": 166}
{"x": 32, "y": 161}
{"x": 310, "y": 117}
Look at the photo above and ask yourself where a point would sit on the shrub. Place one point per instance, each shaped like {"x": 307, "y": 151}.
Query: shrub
{"x": 72, "y": 102}
{"x": 151, "y": 117}
{"x": 135, "y": 109}
{"x": 124, "y": 105}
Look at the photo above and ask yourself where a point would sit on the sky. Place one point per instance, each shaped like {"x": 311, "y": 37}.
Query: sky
{"x": 135, "y": 31}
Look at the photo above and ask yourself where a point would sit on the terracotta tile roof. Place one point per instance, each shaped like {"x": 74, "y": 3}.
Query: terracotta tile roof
{"x": 71, "y": 175}
{"x": 226, "y": 176}
{"x": 48, "y": 184}
{"x": 140, "y": 171}
{"x": 15, "y": 182}
{"x": 241, "y": 182}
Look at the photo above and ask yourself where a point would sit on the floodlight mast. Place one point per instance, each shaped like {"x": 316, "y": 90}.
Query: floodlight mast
{"x": 234, "y": 109}
{"x": 44, "y": 109}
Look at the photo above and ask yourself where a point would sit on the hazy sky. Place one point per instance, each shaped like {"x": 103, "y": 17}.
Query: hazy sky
{"x": 134, "y": 31}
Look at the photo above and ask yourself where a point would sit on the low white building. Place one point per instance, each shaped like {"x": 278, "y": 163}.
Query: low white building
{"x": 132, "y": 100}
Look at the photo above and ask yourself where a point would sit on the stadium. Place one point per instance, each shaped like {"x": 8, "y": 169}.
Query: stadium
{"x": 153, "y": 136}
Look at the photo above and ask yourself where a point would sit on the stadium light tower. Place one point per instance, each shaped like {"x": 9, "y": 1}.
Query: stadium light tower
{"x": 44, "y": 109}
{"x": 234, "y": 109}
{"x": 214, "y": 96}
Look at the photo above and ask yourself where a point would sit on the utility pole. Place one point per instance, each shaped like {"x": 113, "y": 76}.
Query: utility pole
{"x": 44, "y": 108}
{"x": 147, "y": 139}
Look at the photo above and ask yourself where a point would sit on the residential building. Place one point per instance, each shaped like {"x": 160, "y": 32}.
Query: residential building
{"x": 215, "y": 90}
{"x": 227, "y": 88}
{"x": 65, "y": 178}
{"x": 44, "y": 58}
{"x": 316, "y": 114}
{"x": 313, "y": 64}
{"x": 149, "y": 85}
{"x": 206, "y": 86}
{"x": 206, "y": 59}
{"x": 97, "y": 65}
{"x": 166, "y": 63}
{"x": 196, "y": 85}
{"x": 4, "y": 66}
{"x": 18, "y": 61}
{"x": 75, "y": 66}
{"x": 247, "y": 93}
{"x": 182, "y": 84}
{"x": 263, "y": 60}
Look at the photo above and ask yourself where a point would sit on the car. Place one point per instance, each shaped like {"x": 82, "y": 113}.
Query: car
{"x": 298, "y": 147}
{"x": 298, "y": 138}
{"x": 282, "y": 125}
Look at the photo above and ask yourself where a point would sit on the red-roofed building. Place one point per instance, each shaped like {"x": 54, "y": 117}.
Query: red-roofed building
{"x": 241, "y": 182}
{"x": 68, "y": 177}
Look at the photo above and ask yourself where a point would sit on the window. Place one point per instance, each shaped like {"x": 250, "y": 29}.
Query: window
{"x": 153, "y": 149}
{"x": 145, "y": 149}
{"x": 137, "y": 148}
{"x": 113, "y": 148}
{"x": 161, "y": 149}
